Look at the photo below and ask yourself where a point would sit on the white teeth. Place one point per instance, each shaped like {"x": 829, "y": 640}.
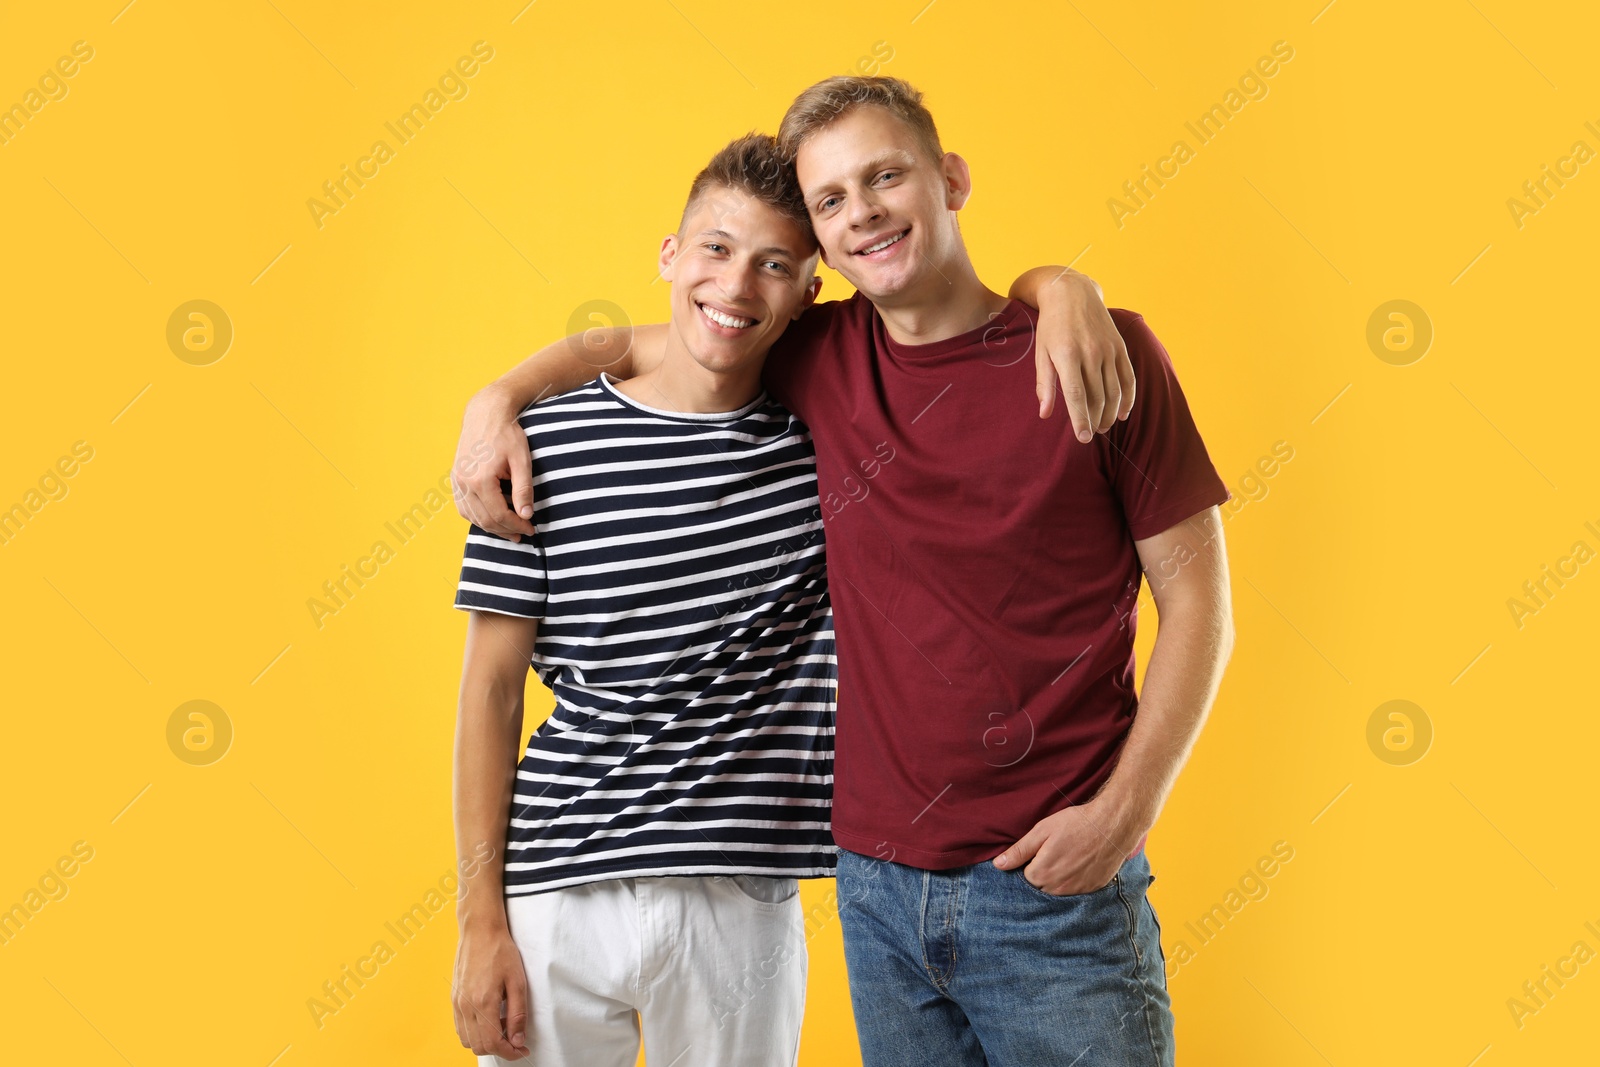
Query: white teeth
{"x": 726, "y": 320}
{"x": 881, "y": 245}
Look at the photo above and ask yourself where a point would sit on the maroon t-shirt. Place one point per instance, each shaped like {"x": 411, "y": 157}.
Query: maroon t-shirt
{"x": 983, "y": 573}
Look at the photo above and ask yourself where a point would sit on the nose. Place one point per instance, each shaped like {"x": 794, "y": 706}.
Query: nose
{"x": 864, "y": 210}
{"x": 738, "y": 280}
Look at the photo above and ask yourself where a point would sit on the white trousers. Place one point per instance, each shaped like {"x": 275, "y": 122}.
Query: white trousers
{"x": 714, "y": 966}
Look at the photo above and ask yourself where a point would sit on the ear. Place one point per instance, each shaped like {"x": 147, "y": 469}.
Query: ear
{"x": 669, "y": 253}
{"x": 957, "y": 181}
{"x": 812, "y": 289}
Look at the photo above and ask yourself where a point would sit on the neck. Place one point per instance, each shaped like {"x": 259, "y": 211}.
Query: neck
{"x": 952, "y": 302}
{"x": 680, "y": 383}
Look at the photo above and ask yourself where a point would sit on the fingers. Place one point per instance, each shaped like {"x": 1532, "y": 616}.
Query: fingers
{"x": 493, "y": 515}
{"x": 476, "y": 483}
{"x": 522, "y": 486}
{"x": 1021, "y": 852}
{"x": 1094, "y": 399}
{"x": 517, "y": 1012}
{"x": 492, "y": 447}
{"x": 1085, "y": 395}
{"x": 466, "y": 1019}
{"x": 485, "y": 1026}
{"x": 460, "y": 474}
{"x": 489, "y": 995}
{"x": 1044, "y": 383}
{"x": 1126, "y": 378}
{"x": 480, "y": 498}
{"x": 466, "y": 497}
{"x": 461, "y": 1019}
{"x": 1112, "y": 391}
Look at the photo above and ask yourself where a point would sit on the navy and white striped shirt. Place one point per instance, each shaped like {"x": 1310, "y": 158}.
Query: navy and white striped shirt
{"x": 684, "y": 626}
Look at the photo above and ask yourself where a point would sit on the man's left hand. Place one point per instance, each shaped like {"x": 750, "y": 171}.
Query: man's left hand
{"x": 1076, "y": 850}
{"x": 1080, "y": 350}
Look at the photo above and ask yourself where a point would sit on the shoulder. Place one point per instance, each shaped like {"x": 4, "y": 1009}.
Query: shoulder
{"x": 773, "y": 415}
{"x": 855, "y": 311}
{"x": 826, "y": 310}
{"x": 551, "y": 412}
{"x": 823, "y": 325}
{"x": 1130, "y": 324}
{"x": 824, "y": 314}
{"x": 1145, "y": 350}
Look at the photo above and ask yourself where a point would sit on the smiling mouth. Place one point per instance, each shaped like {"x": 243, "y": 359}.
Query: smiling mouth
{"x": 729, "y": 321}
{"x": 885, "y": 243}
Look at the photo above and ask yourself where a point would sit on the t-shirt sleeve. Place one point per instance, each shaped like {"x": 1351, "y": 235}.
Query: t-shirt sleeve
{"x": 1159, "y": 464}
{"x": 794, "y": 371}
{"x": 505, "y": 577}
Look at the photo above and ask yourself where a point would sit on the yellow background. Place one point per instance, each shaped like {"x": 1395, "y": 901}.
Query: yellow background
{"x": 1377, "y": 566}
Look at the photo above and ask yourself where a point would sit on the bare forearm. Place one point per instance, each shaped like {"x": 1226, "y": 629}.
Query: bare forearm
{"x": 1180, "y": 684}
{"x": 554, "y": 369}
{"x": 488, "y": 735}
{"x": 573, "y": 361}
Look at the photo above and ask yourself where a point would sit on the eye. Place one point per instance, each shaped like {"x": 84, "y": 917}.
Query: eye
{"x": 775, "y": 265}
{"x": 827, "y": 203}
{"x": 886, "y": 175}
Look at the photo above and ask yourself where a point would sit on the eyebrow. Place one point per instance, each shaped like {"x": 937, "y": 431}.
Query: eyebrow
{"x": 890, "y": 155}
{"x": 897, "y": 156}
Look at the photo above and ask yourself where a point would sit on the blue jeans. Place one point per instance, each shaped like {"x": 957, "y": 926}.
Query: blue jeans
{"x": 975, "y": 965}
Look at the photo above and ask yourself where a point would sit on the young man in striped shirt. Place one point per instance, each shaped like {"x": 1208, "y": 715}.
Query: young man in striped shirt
{"x": 674, "y": 600}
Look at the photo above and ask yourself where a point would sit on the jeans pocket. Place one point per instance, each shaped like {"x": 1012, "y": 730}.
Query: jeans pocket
{"x": 765, "y": 889}
{"x": 1036, "y": 891}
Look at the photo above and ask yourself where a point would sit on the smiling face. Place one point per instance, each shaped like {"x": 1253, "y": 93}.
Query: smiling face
{"x": 882, "y": 208}
{"x": 741, "y": 271}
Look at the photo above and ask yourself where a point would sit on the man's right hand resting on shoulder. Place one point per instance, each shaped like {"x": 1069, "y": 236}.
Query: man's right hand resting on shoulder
{"x": 493, "y": 447}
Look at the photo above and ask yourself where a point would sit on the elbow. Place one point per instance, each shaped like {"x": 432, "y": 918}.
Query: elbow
{"x": 1205, "y": 617}
{"x": 492, "y": 695}
{"x": 1225, "y": 634}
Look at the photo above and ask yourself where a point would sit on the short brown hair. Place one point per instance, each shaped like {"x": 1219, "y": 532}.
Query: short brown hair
{"x": 831, "y": 99}
{"x": 753, "y": 165}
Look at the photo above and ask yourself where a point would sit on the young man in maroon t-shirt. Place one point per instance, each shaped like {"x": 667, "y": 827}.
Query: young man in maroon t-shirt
{"x": 996, "y": 774}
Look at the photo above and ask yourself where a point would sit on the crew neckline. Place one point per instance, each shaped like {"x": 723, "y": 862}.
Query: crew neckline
{"x": 620, "y": 397}
{"x": 1005, "y": 318}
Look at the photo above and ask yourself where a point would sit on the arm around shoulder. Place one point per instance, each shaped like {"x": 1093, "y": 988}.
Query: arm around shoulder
{"x": 492, "y": 447}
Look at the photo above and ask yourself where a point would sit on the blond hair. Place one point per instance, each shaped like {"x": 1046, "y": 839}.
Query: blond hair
{"x": 829, "y": 100}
